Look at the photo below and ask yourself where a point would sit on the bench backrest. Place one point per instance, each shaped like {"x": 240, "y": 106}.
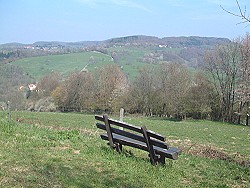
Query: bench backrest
{"x": 155, "y": 138}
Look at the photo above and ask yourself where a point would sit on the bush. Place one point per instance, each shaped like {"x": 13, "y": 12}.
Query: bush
{"x": 45, "y": 105}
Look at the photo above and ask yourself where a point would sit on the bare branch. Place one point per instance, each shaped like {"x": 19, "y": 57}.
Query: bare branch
{"x": 241, "y": 14}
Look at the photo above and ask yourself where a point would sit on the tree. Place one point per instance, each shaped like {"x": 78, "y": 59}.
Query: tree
{"x": 243, "y": 88}
{"x": 109, "y": 84}
{"x": 229, "y": 67}
{"x": 143, "y": 92}
{"x": 75, "y": 93}
{"x": 173, "y": 83}
{"x": 223, "y": 65}
{"x": 11, "y": 79}
{"x": 49, "y": 83}
{"x": 200, "y": 101}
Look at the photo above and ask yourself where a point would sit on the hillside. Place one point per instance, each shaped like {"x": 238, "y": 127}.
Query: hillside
{"x": 65, "y": 64}
{"x": 65, "y": 150}
{"x": 130, "y": 53}
{"x": 192, "y": 41}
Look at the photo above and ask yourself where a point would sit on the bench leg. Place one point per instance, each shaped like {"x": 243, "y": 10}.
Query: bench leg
{"x": 152, "y": 160}
{"x": 118, "y": 147}
{"x": 161, "y": 160}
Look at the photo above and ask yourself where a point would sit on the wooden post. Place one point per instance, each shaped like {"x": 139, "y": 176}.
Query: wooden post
{"x": 121, "y": 114}
{"x": 9, "y": 112}
{"x": 247, "y": 119}
{"x": 121, "y": 117}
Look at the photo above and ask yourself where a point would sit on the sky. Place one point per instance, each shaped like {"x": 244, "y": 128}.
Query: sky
{"x": 28, "y": 21}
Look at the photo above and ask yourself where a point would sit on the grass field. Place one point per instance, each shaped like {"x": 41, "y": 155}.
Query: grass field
{"x": 40, "y": 66}
{"x": 64, "y": 150}
{"x": 129, "y": 61}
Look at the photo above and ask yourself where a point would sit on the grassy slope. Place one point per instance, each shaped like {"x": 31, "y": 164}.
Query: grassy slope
{"x": 129, "y": 61}
{"x": 64, "y": 150}
{"x": 40, "y": 66}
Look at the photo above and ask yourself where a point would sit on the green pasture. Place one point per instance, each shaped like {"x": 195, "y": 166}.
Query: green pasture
{"x": 129, "y": 61}
{"x": 37, "y": 67}
{"x": 40, "y": 66}
{"x": 65, "y": 150}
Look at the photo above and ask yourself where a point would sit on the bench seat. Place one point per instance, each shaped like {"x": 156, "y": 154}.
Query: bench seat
{"x": 171, "y": 153}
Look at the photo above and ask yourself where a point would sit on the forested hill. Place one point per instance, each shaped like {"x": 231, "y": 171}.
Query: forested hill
{"x": 191, "y": 41}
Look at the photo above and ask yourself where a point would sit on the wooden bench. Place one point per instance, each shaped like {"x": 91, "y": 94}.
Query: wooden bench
{"x": 137, "y": 137}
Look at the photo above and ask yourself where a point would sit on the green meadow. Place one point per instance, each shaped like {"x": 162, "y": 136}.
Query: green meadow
{"x": 129, "y": 59}
{"x": 65, "y": 150}
{"x": 37, "y": 67}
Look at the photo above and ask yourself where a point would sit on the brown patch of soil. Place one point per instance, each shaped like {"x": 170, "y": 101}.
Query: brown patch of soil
{"x": 215, "y": 153}
{"x": 211, "y": 152}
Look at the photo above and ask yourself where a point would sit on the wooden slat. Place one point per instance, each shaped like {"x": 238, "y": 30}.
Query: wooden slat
{"x": 127, "y": 141}
{"x": 120, "y": 124}
{"x": 134, "y": 136}
{"x": 132, "y": 127}
{"x": 108, "y": 129}
{"x": 171, "y": 153}
{"x": 149, "y": 145}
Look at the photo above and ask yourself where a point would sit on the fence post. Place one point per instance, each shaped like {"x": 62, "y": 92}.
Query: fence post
{"x": 9, "y": 112}
{"x": 247, "y": 119}
{"x": 121, "y": 116}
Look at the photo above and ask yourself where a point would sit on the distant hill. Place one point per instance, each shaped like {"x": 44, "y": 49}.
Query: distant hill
{"x": 142, "y": 39}
{"x": 131, "y": 53}
{"x": 132, "y": 40}
{"x": 67, "y": 44}
{"x": 80, "y": 44}
{"x": 168, "y": 41}
{"x": 195, "y": 41}
{"x": 12, "y": 45}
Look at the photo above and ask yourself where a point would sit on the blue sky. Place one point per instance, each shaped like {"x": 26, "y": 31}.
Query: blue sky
{"x": 28, "y": 21}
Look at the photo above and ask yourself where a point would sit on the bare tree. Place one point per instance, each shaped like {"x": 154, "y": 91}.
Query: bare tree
{"x": 243, "y": 88}
{"x": 242, "y": 13}
{"x": 144, "y": 90}
{"x": 49, "y": 82}
{"x": 174, "y": 82}
{"x": 110, "y": 84}
{"x": 200, "y": 101}
{"x": 223, "y": 65}
{"x": 75, "y": 93}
